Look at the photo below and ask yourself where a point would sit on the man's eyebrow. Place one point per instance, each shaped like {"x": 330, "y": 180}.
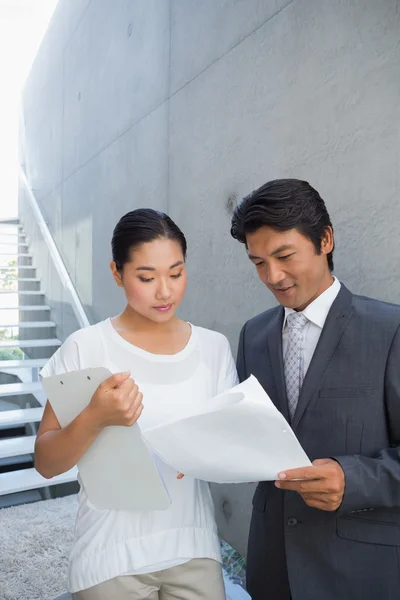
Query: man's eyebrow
{"x": 253, "y": 257}
{"x": 144, "y": 268}
{"x": 282, "y": 249}
{"x": 274, "y": 253}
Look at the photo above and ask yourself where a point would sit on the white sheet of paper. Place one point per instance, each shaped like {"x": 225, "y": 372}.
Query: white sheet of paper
{"x": 118, "y": 470}
{"x": 236, "y": 437}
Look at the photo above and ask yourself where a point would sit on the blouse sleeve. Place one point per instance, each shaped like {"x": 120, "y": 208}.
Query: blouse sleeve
{"x": 66, "y": 359}
{"x": 228, "y": 377}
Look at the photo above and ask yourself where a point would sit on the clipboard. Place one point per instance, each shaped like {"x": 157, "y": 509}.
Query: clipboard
{"x": 117, "y": 471}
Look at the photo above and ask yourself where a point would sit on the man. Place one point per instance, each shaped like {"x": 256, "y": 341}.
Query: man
{"x": 330, "y": 361}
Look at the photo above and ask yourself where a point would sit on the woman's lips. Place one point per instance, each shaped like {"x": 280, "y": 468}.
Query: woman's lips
{"x": 164, "y": 308}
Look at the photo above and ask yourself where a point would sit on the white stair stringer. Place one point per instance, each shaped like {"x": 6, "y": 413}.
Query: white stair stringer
{"x": 30, "y": 479}
{"x": 21, "y": 416}
{"x": 30, "y": 343}
{"x": 20, "y": 287}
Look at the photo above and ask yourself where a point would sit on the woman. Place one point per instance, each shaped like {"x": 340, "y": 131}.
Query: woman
{"x": 157, "y": 555}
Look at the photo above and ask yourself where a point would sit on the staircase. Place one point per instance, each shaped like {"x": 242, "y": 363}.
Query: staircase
{"x": 27, "y": 341}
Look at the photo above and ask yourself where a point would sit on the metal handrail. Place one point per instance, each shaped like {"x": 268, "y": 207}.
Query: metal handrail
{"x": 54, "y": 253}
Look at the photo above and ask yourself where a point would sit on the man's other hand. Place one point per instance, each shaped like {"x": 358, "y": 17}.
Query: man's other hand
{"x": 321, "y": 486}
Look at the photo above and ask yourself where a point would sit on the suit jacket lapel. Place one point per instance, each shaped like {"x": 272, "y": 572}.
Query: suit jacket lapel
{"x": 274, "y": 337}
{"x": 335, "y": 325}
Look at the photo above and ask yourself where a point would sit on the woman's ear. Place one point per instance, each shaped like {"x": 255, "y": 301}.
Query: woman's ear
{"x": 116, "y": 274}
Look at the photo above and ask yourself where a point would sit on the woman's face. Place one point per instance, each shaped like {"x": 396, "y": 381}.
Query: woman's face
{"x": 154, "y": 280}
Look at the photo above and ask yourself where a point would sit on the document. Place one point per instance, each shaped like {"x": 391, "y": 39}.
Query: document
{"x": 118, "y": 470}
{"x": 236, "y": 437}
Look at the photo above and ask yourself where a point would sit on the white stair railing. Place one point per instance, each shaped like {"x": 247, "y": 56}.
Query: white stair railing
{"x": 54, "y": 253}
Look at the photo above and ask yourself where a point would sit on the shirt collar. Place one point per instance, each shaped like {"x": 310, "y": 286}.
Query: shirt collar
{"x": 318, "y": 310}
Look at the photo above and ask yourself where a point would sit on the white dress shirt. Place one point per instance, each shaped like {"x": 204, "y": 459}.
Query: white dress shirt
{"x": 316, "y": 313}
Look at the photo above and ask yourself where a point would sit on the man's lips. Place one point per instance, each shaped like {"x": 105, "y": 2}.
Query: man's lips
{"x": 283, "y": 290}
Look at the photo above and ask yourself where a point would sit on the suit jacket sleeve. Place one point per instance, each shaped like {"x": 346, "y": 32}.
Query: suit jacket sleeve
{"x": 241, "y": 361}
{"x": 375, "y": 482}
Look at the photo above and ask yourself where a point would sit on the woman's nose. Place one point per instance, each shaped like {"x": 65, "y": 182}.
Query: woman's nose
{"x": 163, "y": 290}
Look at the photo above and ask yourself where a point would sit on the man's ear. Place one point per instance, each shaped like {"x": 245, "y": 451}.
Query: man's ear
{"x": 116, "y": 274}
{"x": 327, "y": 242}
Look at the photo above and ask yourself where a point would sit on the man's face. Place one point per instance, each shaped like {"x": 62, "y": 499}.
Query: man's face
{"x": 288, "y": 264}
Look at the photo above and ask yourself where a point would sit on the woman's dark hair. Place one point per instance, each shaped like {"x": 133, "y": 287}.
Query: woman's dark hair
{"x": 283, "y": 204}
{"x": 139, "y": 227}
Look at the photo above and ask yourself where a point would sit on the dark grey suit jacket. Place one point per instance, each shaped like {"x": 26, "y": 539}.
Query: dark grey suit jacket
{"x": 349, "y": 409}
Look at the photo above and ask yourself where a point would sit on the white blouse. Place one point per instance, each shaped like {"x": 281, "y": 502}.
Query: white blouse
{"x": 111, "y": 543}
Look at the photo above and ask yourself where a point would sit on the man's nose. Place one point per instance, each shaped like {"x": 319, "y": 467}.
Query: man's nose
{"x": 274, "y": 274}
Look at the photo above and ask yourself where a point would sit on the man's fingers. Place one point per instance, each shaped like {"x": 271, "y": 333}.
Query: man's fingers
{"x": 316, "y": 501}
{"x": 308, "y": 486}
{"x": 301, "y": 473}
{"x": 318, "y": 470}
{"x": 320, "y": 462}
{"x": 180, "y": 476}
{"x": 326, "y": 502}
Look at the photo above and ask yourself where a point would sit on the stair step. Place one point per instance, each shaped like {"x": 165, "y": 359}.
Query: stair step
{"x": 25, "y": 279}
{"x": 16, "y": 389}
{"x": 17, "y": 254}
{"x": 13, "y": 233}
{"x": 13, "y": 463}
{"x": 20, "y": 416}
{"x": 30, "y": 363}
{"x": 26, "y": 307}
{"x": 6, "y": 405}
{"x": 30, "y": 479}
{"x": 20, "y": 498}
{"x": 9, "y": 242}
{"x": 27, "y": 325}
{"x": 30, "y": 343}
{"x": 14, "y": 268}
{"x": 22, "y": 292}
{"x": 17, "y": 446}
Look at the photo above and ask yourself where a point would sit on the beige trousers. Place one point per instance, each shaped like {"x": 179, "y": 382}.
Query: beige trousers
{"x": 198, "y": 579}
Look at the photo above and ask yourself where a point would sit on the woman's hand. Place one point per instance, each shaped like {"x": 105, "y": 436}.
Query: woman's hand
{"x": 117, "y": 401}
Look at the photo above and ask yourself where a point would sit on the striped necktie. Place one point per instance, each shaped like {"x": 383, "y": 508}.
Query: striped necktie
{"x": 293, "y": 362}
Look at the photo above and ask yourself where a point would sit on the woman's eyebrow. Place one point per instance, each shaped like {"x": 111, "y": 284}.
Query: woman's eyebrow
{"x": 177, "y": 264}
{"x": 144, "y": 268}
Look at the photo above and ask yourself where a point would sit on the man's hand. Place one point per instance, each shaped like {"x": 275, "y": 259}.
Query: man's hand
{"x": 321, "y": 486}
{"x": 180, "y": 476}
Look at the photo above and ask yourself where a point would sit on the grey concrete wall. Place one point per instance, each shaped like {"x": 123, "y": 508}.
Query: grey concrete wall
{"x": 182, "y": 104}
